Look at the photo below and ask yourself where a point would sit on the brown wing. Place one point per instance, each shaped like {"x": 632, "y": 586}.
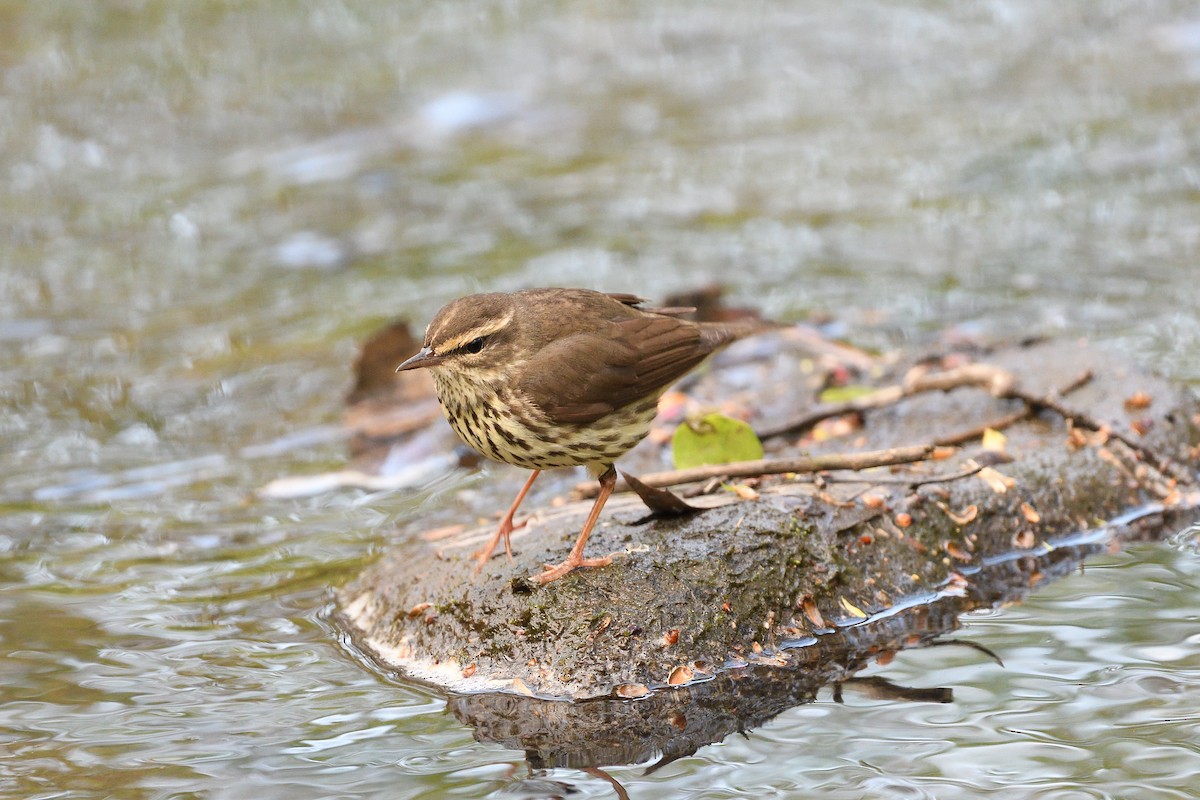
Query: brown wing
{"x": 636, "y": 302}
{"x": 583, "y": 377}
{"x": 626, "y": 298}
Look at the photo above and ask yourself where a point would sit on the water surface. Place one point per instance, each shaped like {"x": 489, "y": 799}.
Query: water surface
{"x": 206, "y": 205}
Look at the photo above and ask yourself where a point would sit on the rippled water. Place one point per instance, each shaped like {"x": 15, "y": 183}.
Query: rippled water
{"x": 206, "y": 205}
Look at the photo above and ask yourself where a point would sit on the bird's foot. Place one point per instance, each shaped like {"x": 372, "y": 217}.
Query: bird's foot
{"x": 507, "y": 526}
{"x": 555, "y": 571}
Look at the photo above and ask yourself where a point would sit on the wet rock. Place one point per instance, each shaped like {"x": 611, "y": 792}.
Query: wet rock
{"x": 804, "y": 572}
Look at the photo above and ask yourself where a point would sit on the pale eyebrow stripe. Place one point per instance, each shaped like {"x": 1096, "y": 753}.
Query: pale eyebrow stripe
{"x": 487, "y": 329}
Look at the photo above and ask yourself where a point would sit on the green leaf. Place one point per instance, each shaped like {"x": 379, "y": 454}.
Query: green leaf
{"x": 844, "y": 394}
{"x": 714, "y": 439}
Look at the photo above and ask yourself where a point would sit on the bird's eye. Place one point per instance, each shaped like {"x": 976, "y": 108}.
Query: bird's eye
{"x": 475, "y": 345}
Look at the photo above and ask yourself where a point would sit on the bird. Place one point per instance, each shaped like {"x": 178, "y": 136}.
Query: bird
{"x": 560, "y": 377}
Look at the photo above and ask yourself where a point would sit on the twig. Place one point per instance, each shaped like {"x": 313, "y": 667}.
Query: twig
{"x": 913, "y": 482}
{"x": 1084, "y": 420}
{"x": 971, "y": 434}
{"x": 1008, "y": 420}
{"x": 775, "y": 466}
{"x": 993, "y": 378}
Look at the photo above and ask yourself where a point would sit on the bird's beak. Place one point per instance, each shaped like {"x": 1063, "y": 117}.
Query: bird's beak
{"x": 425, "y": 358}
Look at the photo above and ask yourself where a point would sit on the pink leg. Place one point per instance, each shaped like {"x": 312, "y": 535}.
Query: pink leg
{"x": 506, "y": 526}
{"x": 575, "y": 559}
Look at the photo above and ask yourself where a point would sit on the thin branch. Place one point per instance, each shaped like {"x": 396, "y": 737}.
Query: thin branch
{"x": 996, "y": 380}
{"x": 1085, "y": 420}
{"x": 913, "y": 482}
{"x": 775, "y": 466}
{"x": 971, "y": 434}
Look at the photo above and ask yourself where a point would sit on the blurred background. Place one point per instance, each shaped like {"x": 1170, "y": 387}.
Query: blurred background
{"x": 207, "y": 205}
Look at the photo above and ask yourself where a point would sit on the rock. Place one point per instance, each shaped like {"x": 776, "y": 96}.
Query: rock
{"x": 797, "y": 587}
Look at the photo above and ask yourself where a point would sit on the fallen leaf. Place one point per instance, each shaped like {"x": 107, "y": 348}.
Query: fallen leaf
{"x": 1142, "y": 426}
{"x": 852, "y": 609}
{"x": 997, "y": 481}
{"x": 632, "y": 690}
{"x": 660, "y": 501}
{"x": 873, "y": 501}
{"x": 904, "y": 520}
{"x": 956, "y": 585}
{"x": 1138, "y": 401}
{"x": 714, "y": 439}
{"x": 956, "y": 551}
{"x": 844, "y": 394}
{"x": 670, "y": 637}
{"x": 680, "y": 675}
{"x": 519, "y": 687}
{"x": 826, "y": 497}
{"x": 813, "y": 613}
{"x": 419, "y": 609}
{"x": 836, "y": 427}
{"x": 1024, "y": 539}
{"x": 993, "y": 440}
{"x": 1031, "y": 514}
{"x": 964, "y": 517}
{"x": 469, "y": 670}
{"x": 742, "y": 491}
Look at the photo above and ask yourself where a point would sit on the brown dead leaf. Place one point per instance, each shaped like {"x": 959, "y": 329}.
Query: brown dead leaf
{"x": 997, "y": 481}
{"x": 1076, "y": 439}
{"x": 954, "y": 550}
{"x": 469, "y": 670}
{"x": 1142, "y": 426}
{"x": 964, "y": 517}
{"x": 942, "y": 453}
{"x": 1138, "y": 401}
{"x": 419, "y": 609}
{"x": 826, "y": 497}
{"x": 836, "y": 427}
{"x": 670, "y": 637}
{"x": 679, "y": 675}
{"x": 518, "y": 686}
{"x": 873, "y": 501}
{"x": 632, "y": 691}
{"x": 956, "y": 586}
{"x": 813, "y": 613}
{"x": 1030, "y": 513}
{"x": 904, "y": 520}
{"x": 1024, "y": 539}
{"x": 743, "y": 491}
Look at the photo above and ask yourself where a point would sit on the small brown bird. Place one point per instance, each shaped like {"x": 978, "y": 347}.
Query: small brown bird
{"x": 560, "y": 378}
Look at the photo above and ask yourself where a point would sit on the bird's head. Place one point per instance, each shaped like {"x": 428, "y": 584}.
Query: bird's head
{"x": 474, "y": 336}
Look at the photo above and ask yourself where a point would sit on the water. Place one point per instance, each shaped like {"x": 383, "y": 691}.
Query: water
{"x": 206, "y": 206}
